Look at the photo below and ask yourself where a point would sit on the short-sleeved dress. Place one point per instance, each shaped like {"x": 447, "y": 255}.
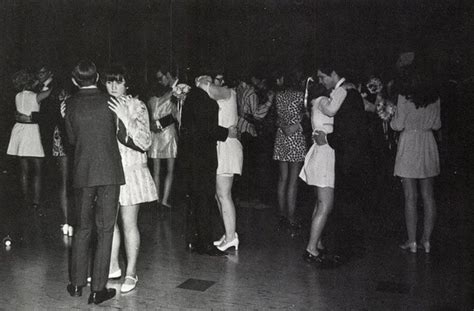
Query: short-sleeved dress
{"x": 25, "y": 140}
{"x": 164, "y": 143}
{"x": 229, "y": 152}
{"x": 318, "y": 168}
{"x": 290, "y": 110}
{"x": 417, "y": 152}
{"x": 139, "y": 186}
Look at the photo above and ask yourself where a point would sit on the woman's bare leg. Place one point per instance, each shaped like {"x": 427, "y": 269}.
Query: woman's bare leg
{"x": 131, "y": 236}
{"x": 224, "y": 195}
{"x": 295, "y": 168}
{"x": 37, "y": 179}
{"x": 321, "y": 212}
{"x": 411, "y": 197}
{"x": 282, "y": 187}
{"x": 63, "y": 175}
{"x": 156, "y": 176}
{"x": 168, "y": 181}
{"x": 429, "y": 206}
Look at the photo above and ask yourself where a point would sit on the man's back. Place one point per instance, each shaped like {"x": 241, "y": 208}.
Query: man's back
{"x": 91, "y": 128}
{"x": 200, "y": 130}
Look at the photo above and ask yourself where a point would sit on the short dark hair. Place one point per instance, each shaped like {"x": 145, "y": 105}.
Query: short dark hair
{"x": 172, "y": 69}
{"x": 340, "y": 65}
{"x": 85, "y": 73}
{"x": 23, "y": 80}
{"x": 115, "y": 72}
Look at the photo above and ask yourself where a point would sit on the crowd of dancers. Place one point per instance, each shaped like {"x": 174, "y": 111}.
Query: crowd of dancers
{"x": 327, "y": 130}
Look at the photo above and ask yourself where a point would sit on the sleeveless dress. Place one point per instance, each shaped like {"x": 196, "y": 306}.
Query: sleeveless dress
{"x": 164, "y": 143}
{"x": 139, "y": 186}
{"x": 318, "y": 168}
{"x": 25, "y": 140}
{"x": 290, "y": 110}
{"x": 229, "y": 152}
{"x": 417, "y": 151}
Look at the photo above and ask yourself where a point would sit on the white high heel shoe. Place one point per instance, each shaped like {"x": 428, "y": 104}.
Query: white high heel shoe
{"x": 226, "y": 245}
{"x": 67, "y": 230}
{"x": 219, "y": 242}
{"x": 409, "y": 246}
{"x": 426, "y": 246}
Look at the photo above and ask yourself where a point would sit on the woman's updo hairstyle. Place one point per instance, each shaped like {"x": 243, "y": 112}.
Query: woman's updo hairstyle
{"x": 23, "y": 80}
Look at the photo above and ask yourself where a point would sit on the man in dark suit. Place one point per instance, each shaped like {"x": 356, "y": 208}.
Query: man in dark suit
{"x": 198, "y": 160}
{"x": 349, "y": 140}
{"x": 97, "y": 176}
{"x": 49, "y": 116}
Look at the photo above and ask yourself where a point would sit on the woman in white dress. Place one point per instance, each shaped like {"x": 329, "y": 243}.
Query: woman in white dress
{"x": 417, "y": 160}
{"x": 25, "y": 140}
{"x": 164, "y": 144}
{"x": 139, "y": 186}
{"x": 318, "y": 171}
{"x": 229, "y": 159}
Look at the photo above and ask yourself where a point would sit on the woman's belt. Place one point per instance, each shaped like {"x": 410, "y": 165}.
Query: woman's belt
{"x": 26, "y": 122}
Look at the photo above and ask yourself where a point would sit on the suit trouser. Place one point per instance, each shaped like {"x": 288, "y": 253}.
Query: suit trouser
{"x": 104, "y": 214}
{"x": 350, "y": 207}
{"x": 202, "y": 206}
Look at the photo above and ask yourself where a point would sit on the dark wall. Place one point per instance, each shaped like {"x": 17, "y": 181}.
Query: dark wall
{"x": 231, "y": 34}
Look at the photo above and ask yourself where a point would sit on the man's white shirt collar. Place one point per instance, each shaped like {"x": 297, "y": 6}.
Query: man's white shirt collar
{"x": 340, "y": 82}
{"x": 46, "y": 84}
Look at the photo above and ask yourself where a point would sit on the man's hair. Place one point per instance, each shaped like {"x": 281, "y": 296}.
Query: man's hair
{"x": 85, "y": 73}
{"x": 342, "y": 65}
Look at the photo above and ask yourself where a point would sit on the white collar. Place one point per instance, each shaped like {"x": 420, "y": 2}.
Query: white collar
{"x": 48, "y": 81}
{"x": 88, "y": 87}
{"x": 175, "y": 83}
{"x": 340, "y": 82}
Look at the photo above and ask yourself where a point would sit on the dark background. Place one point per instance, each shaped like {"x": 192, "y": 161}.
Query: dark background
{"x": 234, "y": 35}
{"x": 230, "y": 33}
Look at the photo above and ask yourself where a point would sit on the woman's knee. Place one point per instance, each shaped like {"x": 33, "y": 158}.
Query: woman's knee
{"x": 324, "y": 208}
{"x": 222, "y": 194}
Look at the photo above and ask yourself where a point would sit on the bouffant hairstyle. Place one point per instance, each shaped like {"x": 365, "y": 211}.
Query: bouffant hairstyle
{"x": 23, "y": 80}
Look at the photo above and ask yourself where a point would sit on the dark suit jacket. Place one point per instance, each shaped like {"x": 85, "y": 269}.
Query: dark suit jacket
{"x": 349, "y": 138}
{"x": 91, "y": 128}
{"x": 200, "y": 132}
{"x": 49, "y": 117}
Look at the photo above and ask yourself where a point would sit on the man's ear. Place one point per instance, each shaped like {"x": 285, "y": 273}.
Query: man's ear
{"x": 74, "y": 82}
{"x": 97, "y": 78}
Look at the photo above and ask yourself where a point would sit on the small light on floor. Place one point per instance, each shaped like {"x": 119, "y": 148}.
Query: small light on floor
{"x": 7, "y": 241}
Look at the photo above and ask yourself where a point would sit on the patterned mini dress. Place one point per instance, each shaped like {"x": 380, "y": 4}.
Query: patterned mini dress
{"x": 290, "y": 110}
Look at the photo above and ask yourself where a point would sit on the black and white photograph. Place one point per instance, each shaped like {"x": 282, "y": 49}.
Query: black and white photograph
{"x": 236, "y": 155}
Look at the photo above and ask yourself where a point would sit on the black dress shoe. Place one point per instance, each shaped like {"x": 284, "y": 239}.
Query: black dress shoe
{"x": 74, "y": 291}
{"x": 101, "y": 296}
{"x": 210, "y": 250}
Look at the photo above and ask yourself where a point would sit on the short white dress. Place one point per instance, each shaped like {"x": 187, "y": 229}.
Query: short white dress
{"x": 417, "y": 151}
{"x": 139, "y": 186}
{"x": 229, "y": 152}
{"x": 164, "y": 143}
{"x": 318, "y": 168}
{"x": 25, "y": 140}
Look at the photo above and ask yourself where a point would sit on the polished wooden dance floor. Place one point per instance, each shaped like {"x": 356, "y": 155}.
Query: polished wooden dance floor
{"x": 266, "y": 273}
